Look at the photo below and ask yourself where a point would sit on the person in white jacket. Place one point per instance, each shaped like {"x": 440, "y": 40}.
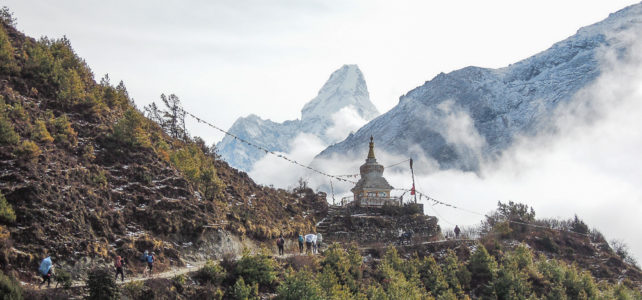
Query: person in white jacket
{"x": 310, "y": 241}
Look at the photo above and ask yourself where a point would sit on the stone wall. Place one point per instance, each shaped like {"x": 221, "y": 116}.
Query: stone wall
{"x": 377, "y": 225}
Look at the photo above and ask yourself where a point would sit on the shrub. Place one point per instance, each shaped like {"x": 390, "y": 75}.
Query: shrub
{"x": 483, "y": 269}
{"x": 431, "y": 276}
{"x": 212, "y": 273}
{"x": 256, "y": 269}
{"x": 7, "y": 215}
{"x": 397, "y": 286}
{"x": 179, "y": 281}
{"x": 132, "y": 130}
{"x": 198, "y": 168}
{"x": 516, "y": 211}
{"x": 39, "y": 63}
{"x": 99, "y": 178}
{"x": 299, "y": 285}
{"x": 550, "y": 245}
{"x": 9, "y": 288}
{"x": 344, "y": 265}
{"x": 512, "y": 280}
{"x": 579, "y": 226}
{"x": 8, "y": 135}
{"x": 455, "y": 273}
{"x": 6, "y": 16}
{"x": 18, "y": 112}
{"x": 113, "y": 97}
{"x": 622, "y": 250}
{"x": 62, "y": 131}
{"x": 243, "y": 291}
{"x": 102, "y": 285}
{"x": 28, "y": 150}
{"x": 63, "y": 278}
{"x": 134, "y": 289}
{"x": 40, "y": 133}
{"x": 7, "y": 61}
{"x": 88, "y": 153}
{"x": 71, "y": 89}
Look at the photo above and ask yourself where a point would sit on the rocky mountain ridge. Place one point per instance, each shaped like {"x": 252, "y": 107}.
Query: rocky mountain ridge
{"x": 345, "y": 89}
{"x": 498, "y": 104}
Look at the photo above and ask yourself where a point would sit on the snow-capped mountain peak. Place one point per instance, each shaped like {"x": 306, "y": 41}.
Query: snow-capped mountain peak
{"x": 498, "y": 104}
{"x": 346, "y": 86}
{"x": 342, "y": 99}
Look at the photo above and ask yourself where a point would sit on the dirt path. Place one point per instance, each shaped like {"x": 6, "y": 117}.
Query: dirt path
{"x": 189, "y": 267}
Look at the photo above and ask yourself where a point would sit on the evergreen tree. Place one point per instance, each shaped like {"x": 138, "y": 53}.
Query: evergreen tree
{"x": 102, "y": 285}
{"x": 431, "y": 276}
{"x": 483, "y": 269}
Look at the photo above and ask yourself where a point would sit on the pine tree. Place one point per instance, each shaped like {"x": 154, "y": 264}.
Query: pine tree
{"x": 483, "y": 269}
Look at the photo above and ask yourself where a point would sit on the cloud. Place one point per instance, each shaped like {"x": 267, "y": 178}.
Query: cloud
{"x": 585, "y": 161}
{"x": 458, "y": 129}
{"x": 345, "y": 121}
{"x": 272, "y": 170}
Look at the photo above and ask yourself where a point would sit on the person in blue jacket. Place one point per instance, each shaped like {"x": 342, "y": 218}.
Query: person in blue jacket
{"x": 150, "y": 263}
{"x": 300, "y": 243}
{"x": 45, "y": 270}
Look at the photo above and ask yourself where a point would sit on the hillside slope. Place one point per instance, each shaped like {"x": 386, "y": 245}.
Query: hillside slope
{"x": 86, "y": 176}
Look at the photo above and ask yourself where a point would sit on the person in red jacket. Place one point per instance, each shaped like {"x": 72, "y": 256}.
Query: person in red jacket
{"x": 118, "y": 264}
{"x": 280, "y": 242}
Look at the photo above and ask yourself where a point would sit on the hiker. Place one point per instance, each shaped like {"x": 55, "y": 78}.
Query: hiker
{"x": 319, "y": 240}
{"x": 46, "y": 270}
{"x": 300, "y": 244}
{"x": 457, "y": 231}
{"x": 118, "y": 264}
{"x": 310, "y": 240}
{"x": 280, "y": 242}
{"x": 150, "y": 263}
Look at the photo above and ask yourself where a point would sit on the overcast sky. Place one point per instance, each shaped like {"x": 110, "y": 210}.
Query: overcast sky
{"x": 227, "y": 59}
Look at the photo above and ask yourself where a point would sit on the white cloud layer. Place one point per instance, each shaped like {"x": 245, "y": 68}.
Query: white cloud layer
{"x": 586, "y": 161}
{"x": 345, "y": 121}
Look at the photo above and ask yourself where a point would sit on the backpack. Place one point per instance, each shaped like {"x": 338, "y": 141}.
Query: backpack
{"x": 118, "y": 262}
{"x": 300, "y": 239}
{"x": 280, "y": 242}
{"x": 45, "y": 266}
{"x": 150, "y": 258}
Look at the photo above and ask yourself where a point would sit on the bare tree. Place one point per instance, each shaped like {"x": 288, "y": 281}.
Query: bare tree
{"x": 174, "y": 117}
{"x": 153, "y": 113}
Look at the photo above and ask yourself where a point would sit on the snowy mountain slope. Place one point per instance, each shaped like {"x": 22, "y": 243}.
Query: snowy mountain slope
{"x": 471, "y": 114}
{"x": 345, "y": 89}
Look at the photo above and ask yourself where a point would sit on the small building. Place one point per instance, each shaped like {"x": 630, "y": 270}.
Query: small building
{"x": 372, "y": 189}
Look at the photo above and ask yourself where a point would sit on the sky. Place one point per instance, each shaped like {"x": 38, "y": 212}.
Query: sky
{"x": 227, "y": 59}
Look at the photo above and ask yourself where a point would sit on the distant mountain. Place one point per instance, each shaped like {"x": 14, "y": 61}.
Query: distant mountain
{"x": 474, "y": 113}
{"x": 346, "y": 88}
